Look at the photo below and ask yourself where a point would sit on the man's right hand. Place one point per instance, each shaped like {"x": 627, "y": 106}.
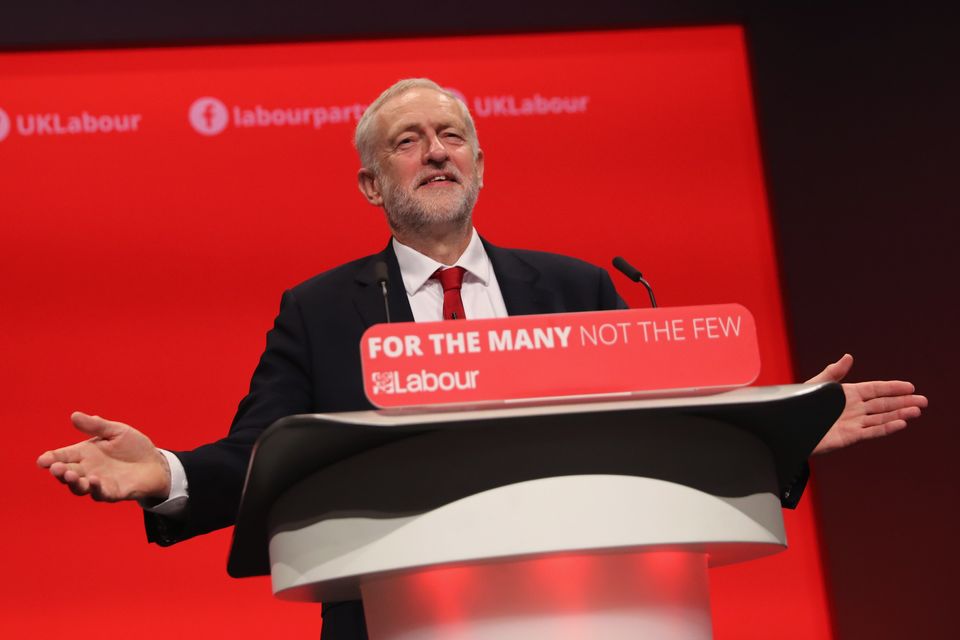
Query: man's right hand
{"x": 116, "y": 463}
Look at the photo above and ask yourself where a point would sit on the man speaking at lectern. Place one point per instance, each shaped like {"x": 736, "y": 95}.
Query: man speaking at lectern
{"x": 422, "y": 163}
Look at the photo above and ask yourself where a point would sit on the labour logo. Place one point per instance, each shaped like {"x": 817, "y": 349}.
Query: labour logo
{"x": 4, "y": 124}
{"x": 384, "y": 381}
{"x": 208, "y": 116}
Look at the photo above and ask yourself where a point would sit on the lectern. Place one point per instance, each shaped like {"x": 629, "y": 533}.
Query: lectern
{"x": 575, "y": 519}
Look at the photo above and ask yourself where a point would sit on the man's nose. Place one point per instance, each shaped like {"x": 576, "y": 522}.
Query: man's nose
{"x": 436, "y": 152}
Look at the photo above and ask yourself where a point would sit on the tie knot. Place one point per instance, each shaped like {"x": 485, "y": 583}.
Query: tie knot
{"x": 450, "y": 279}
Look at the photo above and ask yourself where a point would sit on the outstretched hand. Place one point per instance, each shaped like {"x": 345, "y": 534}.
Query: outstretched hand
{"x": 873, "y": 409}
{"x": 116, "y": 463}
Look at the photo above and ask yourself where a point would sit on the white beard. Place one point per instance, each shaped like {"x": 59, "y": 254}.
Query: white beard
{"x": 408, "y": 212}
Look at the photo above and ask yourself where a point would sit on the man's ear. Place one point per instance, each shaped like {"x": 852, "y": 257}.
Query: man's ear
{"x": 480, "y": 166}
{"x": 370, "y": 187}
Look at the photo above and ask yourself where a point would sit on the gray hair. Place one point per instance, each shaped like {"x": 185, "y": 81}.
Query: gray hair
{"x": 363, "y": 137}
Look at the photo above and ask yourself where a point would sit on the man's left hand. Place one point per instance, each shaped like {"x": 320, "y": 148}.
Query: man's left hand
{"x": 873, "y": 410}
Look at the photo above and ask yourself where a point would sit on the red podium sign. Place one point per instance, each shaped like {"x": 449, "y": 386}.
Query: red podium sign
{"x": 699, "y": 349}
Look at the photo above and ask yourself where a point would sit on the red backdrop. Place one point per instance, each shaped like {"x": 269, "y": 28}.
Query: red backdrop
{"x": 141, "y": 268}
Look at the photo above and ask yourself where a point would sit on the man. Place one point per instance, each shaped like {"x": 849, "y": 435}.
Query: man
{"x": 422, "y": 163}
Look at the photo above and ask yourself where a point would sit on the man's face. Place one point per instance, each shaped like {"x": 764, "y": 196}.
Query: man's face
{"x": 427, "y": 171}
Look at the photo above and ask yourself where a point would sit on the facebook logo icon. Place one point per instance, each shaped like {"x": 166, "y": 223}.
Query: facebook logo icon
{"x": 208, "y": 116}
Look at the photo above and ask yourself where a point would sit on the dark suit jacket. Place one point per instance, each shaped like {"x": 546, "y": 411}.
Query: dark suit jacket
{"x": 311, "y": 363}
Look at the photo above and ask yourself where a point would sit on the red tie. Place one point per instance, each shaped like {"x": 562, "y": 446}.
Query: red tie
{"x": 450, "y": 280}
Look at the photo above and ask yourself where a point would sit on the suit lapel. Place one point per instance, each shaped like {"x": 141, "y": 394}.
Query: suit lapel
{"x": 518, "y": 282}
{"x": 517, "y": 278}
{"x": 368, "y": 298}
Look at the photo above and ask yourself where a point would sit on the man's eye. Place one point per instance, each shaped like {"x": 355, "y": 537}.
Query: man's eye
{"x": 405, "y": 142}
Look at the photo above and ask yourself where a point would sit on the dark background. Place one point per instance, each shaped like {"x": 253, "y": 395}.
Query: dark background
{"x": 857, "y": 108}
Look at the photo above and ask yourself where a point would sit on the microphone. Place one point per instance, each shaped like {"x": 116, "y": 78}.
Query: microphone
{"x": 628, "y": 270}
{"x": 383, "y": 279}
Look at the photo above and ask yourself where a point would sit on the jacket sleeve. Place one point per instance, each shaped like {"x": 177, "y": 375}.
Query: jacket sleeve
{"x": 791, "y": 496}
{"x": 281, "y": 386}
{"x": 609, "y": 298}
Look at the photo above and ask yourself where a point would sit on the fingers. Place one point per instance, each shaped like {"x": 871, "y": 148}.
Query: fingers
{"x": 834, "y": 372}
{"x": 892, "y": 403}
{"x": 898, "y": 415}
{"x": 886, "y": 415}
{"x": 883, "y": 429}
{"x": 66, "y": 472}
{"x": 883, "y": 388}
{"x": 96, "y": 490}
{"x": 46, "y": 459}
{"x": 873, "y": 410}
{"x": 71, "y": 475}
{"x": 80, "y": 484}
{"x": 71, "y": 454}
{"x": 888, "y": 394}
{"x": 100, "y": 493}
{"x": 96, "y": 426}
{"x": 101, "y": 431}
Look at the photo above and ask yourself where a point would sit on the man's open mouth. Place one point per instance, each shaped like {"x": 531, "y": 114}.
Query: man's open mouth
{"x": 439, "y": 178}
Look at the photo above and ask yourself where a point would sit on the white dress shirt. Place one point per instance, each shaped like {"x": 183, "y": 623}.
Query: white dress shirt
{"x": 481, "y": 299}
{"x": 480, "y": 291}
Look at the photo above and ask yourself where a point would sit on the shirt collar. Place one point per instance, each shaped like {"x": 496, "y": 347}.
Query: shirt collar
{"x": 417, "y": 268}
